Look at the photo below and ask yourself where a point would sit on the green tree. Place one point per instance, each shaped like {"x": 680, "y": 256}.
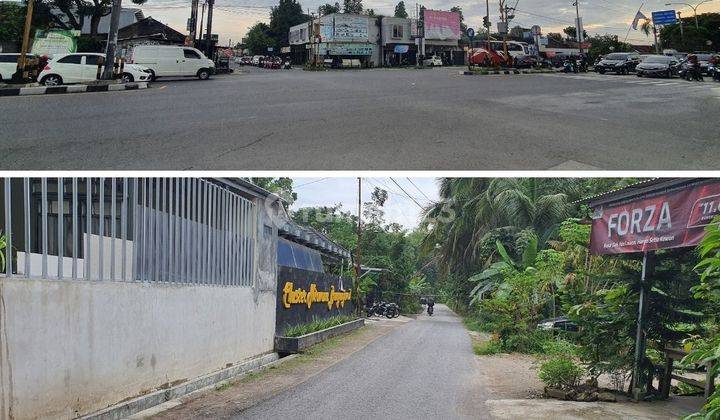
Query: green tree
{"x": 571, "y": 32}
{"x": 352, "y": 6}
{"x": 400, "y": 11}
{"x": 328, "y": 9}
{"x": 286, "y": 14}
{"x": 258, "y": 38}
{"x": 282, "y": 187}
{"x": 12, "y": 16}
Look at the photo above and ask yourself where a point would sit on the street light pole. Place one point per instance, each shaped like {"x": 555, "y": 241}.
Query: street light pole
{"x": 578, "y": 26}
{"x": 694, "y": 9}
{"x": 682, "y": 30}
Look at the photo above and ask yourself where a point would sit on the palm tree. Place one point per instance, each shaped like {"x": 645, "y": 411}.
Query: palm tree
{"x": 471, "y": 208}
{"x": 647, "y": 28}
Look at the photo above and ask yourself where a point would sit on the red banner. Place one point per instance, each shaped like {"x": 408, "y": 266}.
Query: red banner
{"x": 670, "y": 220}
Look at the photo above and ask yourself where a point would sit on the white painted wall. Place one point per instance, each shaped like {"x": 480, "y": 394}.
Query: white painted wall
{"x": 74, "y": 347}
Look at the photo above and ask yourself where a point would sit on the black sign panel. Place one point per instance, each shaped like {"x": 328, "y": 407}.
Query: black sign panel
{"x": 306, "y": 295}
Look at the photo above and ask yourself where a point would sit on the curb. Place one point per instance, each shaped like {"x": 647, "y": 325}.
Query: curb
{"x": 299, "y": 344}
{"x": 503, "y": 72}
{"x": 135, "y": 405}
{"x": 50, "y": 90}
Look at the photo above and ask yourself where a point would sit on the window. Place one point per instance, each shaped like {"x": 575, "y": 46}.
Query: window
{"x": 191, "y": 54}
{"x": 397, "y": 31}
{"x": 70, "y": 59}
{"x": 91, "y": 60}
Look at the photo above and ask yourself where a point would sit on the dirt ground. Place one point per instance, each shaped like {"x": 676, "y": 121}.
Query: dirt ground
{"x": 229, "y": 399}
{"x": 516, "y": 392}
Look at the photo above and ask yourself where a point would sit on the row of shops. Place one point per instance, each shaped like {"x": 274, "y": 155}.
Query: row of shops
{"x": 375, "y": 41}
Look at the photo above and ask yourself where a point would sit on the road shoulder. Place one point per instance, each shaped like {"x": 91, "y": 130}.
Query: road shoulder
{"x": 233, "y": 397}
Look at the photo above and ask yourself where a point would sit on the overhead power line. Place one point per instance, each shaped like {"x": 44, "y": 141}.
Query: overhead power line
{"x": 406, "y": 193}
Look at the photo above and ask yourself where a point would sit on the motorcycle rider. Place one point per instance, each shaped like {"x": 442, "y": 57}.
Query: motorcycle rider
{"x": 430, "y": 305}
{"x": 694, "y": 69}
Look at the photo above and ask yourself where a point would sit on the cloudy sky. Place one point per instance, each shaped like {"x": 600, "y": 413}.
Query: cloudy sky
{"x": 402, "y": 207}
{"x": 232, "y": 18}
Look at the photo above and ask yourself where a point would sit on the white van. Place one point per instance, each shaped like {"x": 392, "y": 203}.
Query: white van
{"x": 172, "y": 61}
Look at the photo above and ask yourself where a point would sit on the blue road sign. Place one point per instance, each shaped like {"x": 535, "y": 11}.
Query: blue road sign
{"x": 665, "y": 17}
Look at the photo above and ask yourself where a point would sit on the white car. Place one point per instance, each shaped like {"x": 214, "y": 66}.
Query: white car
{"x": 8, "y": 64}
{"x": 83, "y": 67}
{"x": 433, "y": 61}
{"x": 173, "y": 61}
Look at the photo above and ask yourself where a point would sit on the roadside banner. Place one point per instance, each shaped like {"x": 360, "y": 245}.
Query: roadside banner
{"x": 54, "y": 42}
{"x": 672, "y": 220}
{"x": 441, "y": 25}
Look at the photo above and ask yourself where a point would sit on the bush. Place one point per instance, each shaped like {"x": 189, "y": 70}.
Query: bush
{"x": 532, "y": 342}
{"x": 487, "y": 348}
{"x": 559, "y": 347}
{"x": 560, "y": 372}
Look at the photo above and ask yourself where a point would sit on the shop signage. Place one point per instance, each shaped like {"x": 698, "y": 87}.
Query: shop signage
{"x": 673, "y": 220}
{"x": 292, "y": 296}
{"x": 304, "y": 295}
{"x": 441, "y": 25}
{"x": 401, "y": 49}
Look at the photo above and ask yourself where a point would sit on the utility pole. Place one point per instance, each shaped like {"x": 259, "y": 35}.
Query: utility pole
{"x": 357, "y": 258}
{"x": 208, "y": 34}
{"x": 578, "y": 26}
{"x": 487, "y": 23}
{"x": 22, "y": 73}
{"x": 112, "y": 40}
{"x": 202, "y": 19}
{"x": 193, "y": 21}
{"x": 504, "y": 19}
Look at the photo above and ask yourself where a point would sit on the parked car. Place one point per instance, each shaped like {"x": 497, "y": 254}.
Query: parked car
{"x": 619, "y": 63}
{"x": 83, "y": 67}
{"x": 433, "y": 61}
{"x": 173, "y": 61}
{"x": 558, "y": 324}
{"x": 658, "y": 65}
{"x": 8, "y": 64}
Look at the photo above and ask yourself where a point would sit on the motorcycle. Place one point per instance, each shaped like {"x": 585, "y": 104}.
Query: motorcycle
{"x": 430, "y": 310}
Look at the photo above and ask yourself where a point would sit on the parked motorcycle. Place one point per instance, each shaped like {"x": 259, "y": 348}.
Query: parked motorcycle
{"x": 388, "y": 310}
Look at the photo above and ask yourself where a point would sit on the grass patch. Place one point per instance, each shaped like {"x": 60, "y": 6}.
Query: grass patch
{"x": 223, "y": 387}
{"x": 486, "y": 348}
{"x": 317, "y": 324}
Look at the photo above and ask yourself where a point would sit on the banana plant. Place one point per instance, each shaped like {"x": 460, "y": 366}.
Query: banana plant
{"x": 3, "y": 245}
{"x": 491, "y": 278}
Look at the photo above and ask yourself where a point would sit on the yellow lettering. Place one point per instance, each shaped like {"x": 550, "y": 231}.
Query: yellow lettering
{"x": 293, "y": 296}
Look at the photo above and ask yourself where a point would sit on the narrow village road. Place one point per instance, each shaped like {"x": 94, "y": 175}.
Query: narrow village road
{"x": 425, "y": 369}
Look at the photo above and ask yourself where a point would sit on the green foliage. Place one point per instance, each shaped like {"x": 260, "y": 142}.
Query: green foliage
{"x": 258, "y": 38}
{"x": 3, "y": 246}
{"x": 400, "y": 11}
{"x": 286, "y": 14}
{"x": 282, "y": 187}
{"x": 317, "y": 324}
{"x": 352, "y": 6}
{"x": 328, "y": 9}
{"x": 487, "y": 348}
{"x": 606, "y": 44}
{"x": 12, "y": 17}
{"x": 693, "y": 39}
{"x": 560, "y": 372}
{"x": 708, "y": 349}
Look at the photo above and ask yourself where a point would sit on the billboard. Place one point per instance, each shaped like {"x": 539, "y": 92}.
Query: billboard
{"x": 349, "y": 28}
{"x": 347, "y": 49}
{"x": 54, "y": 41}
{"x": 305, "y": 295}
{"x": 441, "y": 25}
{"x": 673, "y": 220}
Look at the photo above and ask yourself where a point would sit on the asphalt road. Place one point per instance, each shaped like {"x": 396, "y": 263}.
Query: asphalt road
{"x": 380, "y": 119}
{"x": 425, "y": 369}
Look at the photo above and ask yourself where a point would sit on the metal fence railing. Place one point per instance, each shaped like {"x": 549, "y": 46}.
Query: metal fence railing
{"x": 170, "y": 230}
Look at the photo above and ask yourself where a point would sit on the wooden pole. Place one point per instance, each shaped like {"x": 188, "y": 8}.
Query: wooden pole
{"x": 21, "y": 65}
